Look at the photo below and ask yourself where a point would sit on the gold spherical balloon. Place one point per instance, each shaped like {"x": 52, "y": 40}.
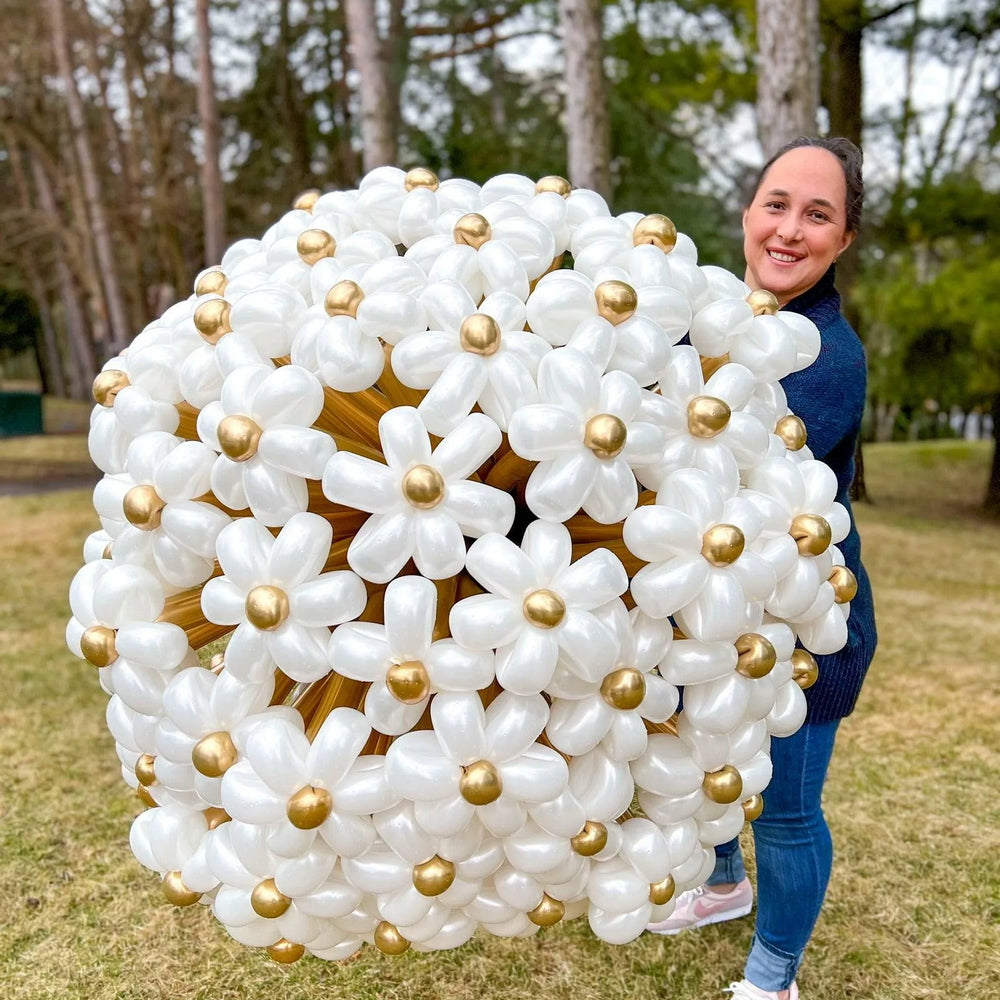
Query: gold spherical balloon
{"x": 792, "y": 432}
{"x": 145, "y": 796}
{"x": 315, "y": 244}
{"x": 98, "y": 645}
{"x": 239, "y": 437}
{"x": 423, "y": 487}
{"x": 624, "y": 689}
{"x": 211, "y": 320}
{"x": 544, "y": 608}
{"x": 215, "y": 817}
{"x": 722, "y": 544}
{"x": 344, "y": 298}
{"x": 707, "y": 416}
{"x": 309, "y": 807}
{"x": 177, "y": 892}
{"x": 107, "y": 386}
{"x": 757, "y": 655}
{"x": 285, "y": 952}
{"x": 548, "y": 912}
{"x": 408, "y": 682}
{"x": 655, "y": 229}
{"x": 480, "y": 334}
{"x": 480, "y": 783}
{"x": 844, "y": 583}
{"x": 142, "y": 507}
{"x": 663, "y": 891}
{"x": 211, "y": 283}
{"x": 473, "y": 230}
{"x": 591, "y": 840}
{"x": 432, "y": 877}
{"x": 763, "y": 302}
{"x": 805, "y": 669}
{"x": 144, "y": 769}
{"x": 214, "y": 754}
{"x": 616, "y": 301}
{"x": 555, "y": 183}
{"x": 753, "y": 807}
{"x": 266, "y": 607}
{"x": 605, "y": 435}
{"x": 267, "y": 900}
{"x": 723, "y": 786}
{"x": 812, "y": 534}
{"x": 388, "y": 940}
{"x": 421, "y": 177}
{"x": 306, "y": 201}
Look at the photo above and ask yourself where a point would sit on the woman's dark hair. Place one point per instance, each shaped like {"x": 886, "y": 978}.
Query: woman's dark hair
{"x": 850, "y": 158}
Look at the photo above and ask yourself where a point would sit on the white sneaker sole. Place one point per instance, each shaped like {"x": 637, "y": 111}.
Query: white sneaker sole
{"x": 713, "y": 918}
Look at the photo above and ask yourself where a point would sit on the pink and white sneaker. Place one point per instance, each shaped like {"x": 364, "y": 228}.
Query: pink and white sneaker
{"x": 702, "y": 906}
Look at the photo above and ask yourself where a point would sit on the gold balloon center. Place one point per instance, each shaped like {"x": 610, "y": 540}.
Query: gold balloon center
{"x": 792, "y": 432}
{"x": 306, "y": 201}
{"x": 142, "y": 507}
{"x": 285, "y": 952}
{"x": 480, "y": 783}
{"x": 544, "y": 608}
{"x": 757, "y": 655}
{"x": 753, "y": 807}
{"x": 315, "y": 244}
{"x": 215, "y": 817}
{"x": 108, "y": 384}
{"x": 309, "y": 807}
{"x": 98, "y": 645}
{"x": 473, "y": 230}
{"x": 239, "y": 437}
{"x": 624, "y": 689}
{"x": 211, "y": 283}
{"x": 616, "y": 301}
{"x": 344, "y": 298}
{"x": 548, "y": 912}
{"x": 211, "y": 320}
{"x": 844, "y": 583}
{"x": 657, "y": 230}
{"x": 389, "y": 940}
{"x": 480, "y": 334}
{"x": 267, "y": 900}
{"x": 707, "y": 416}
{"x": 423, "y": 487}
{"x": 763, "y": 302}
{"x": 805, "y": 669}
{"x": 144, "y": 769}
{"x": 812, "y": 534}
{"x": 553, "y": 182}
{"x": 722, "y": 544}
{"x": 144, "y": 795}
{"x": 266, "y": 607}
{"x": 663, "y": 891}
{"x": 421, "y": 177}
{"x": 605, "y": 435}
{"x": 723, "y": 786}
{"x": 591, "y": 840}
{"x": 434, "y": 876}
{"x": 177, "y": 892}
{"x": 408, "y": 682}
{"x": 214, "y": 754}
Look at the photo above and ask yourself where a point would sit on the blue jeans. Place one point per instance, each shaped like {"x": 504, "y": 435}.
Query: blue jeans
{"x": 794, "y": 855}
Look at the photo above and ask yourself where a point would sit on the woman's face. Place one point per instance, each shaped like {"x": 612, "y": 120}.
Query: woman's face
{"x": 795, "y": 227}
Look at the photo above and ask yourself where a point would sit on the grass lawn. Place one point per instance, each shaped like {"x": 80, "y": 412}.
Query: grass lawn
{"x": 913, "y": 911}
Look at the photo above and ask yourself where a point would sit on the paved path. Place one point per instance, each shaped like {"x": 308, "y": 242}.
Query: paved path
{"x": 28, "y": 487}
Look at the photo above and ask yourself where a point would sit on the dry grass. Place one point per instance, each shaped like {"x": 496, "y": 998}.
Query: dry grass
{"x": 913, "y": 911}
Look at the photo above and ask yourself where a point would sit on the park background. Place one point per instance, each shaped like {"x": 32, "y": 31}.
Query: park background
{"x": 139, "y": 138}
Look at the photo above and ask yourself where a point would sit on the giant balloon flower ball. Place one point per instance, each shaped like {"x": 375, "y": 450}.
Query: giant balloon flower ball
{"x": 418, "y": 517}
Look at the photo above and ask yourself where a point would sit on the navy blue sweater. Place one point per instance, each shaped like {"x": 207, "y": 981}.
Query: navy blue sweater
{"x": 829, "y": 396}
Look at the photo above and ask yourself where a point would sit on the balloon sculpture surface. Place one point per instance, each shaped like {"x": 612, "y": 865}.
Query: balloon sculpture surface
{"x": 418, "y": 518}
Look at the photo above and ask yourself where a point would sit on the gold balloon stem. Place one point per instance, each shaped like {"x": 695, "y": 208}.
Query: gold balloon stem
{"x": 397, "y": 393}
{"x": 283, "y": 687}
{"x": 187, "y": 426}
{"x": 353, "y": 414}
{"x": 337, "y": 692}
{"x": 509, "y": 471}
{"x": 709, "y": 366}
{"x": 184, "y": 610}
{"x": 668, "y": 728}
{"x": 447, "y": 594}
{"x": 632, "y": 563}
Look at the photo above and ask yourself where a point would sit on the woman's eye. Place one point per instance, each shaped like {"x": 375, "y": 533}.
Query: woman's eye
{"x": 819, "y": 216}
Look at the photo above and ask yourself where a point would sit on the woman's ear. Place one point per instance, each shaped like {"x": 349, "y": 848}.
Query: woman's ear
{"x": 744, "y": 222}
{"x": 848, "y": 239}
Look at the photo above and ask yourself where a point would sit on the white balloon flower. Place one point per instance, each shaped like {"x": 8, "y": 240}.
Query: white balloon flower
{"x": 422, "y": 502}
{"x": 275, "y": 593}
{"x": 538, "y": 613}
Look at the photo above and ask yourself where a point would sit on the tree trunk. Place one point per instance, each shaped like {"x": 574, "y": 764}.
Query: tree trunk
{"x": 588, "y": 130}
{"x": 787, "y": 70}
{"x": 290, "y": 102}
{"x": 378, "y": 140}
{"x": 992, "y": 500}
{"x": 212, "y": 193}
{"x": 100, "y": 232}
{"x": 346, "y": 166}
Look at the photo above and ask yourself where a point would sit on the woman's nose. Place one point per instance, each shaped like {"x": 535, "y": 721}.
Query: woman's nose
{"x": 789, "y": 229}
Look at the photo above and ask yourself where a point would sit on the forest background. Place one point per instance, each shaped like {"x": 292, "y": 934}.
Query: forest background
{"x": 138, "y": 138}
